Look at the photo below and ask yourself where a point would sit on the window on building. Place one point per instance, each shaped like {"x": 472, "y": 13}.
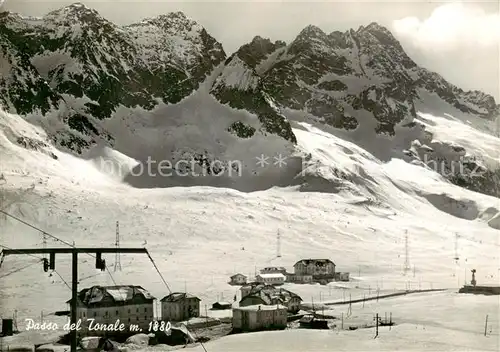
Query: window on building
{"x": 137, "y": 310}
{"x": 129, "y": 311}
{"x": 95, "y": 314}
{"x": 145, "y": 310}
{"x": 117, "y": 313}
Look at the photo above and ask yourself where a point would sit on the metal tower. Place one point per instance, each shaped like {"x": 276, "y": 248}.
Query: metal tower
{"x": 44, "y": 243}
{"x": 278, "y": 247}
{"x": 118, "y": 264}
{"x": 407, "y": 256}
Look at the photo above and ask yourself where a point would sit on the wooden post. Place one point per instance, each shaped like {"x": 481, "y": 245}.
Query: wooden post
{"x": 342, "y": 320}
{"x": 74, "y": 290}
{"x": 385, "y": 318}
{"x": 364, "y": 297}
{"x": 206, "y": 314}
{"x": 376, "y": 331}
{"x": 390, "y": 321}
{"x": 486, "y": 325}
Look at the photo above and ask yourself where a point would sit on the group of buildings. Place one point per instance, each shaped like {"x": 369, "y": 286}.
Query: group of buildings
{"x": 263, "y": 304}
{"x": 305, "y": 271}
{"x": 130, "y": 305}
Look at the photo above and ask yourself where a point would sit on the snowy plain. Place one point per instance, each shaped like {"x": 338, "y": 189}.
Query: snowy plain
{"x": 199, "y": 236}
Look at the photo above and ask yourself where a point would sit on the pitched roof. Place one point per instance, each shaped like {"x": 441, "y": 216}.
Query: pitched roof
{"x": 120, "y": 294}
{"x": 277, "y": 268}
{"x": 238, "y": 274}
{"x": 273, "y": 275}
{"x": 262, "y": 307}
{"x": 268, "y": 293}
{"x": 319, "y": 262}
{"x": 178, "y": 296}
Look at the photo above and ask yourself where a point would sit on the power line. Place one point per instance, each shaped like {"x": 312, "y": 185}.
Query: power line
{"x": 34, "y": 227}
{"x": 62, "y": 279}
{"x": 157, "y": 270}
{"x": 18, "y": 270}
{"x": 5, "y": 247}
{"x": 51, "y": 236}
{"x": 73, "y": 246}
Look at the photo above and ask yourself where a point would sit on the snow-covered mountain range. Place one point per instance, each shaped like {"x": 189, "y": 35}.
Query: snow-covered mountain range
{"x": 89, "y": 82}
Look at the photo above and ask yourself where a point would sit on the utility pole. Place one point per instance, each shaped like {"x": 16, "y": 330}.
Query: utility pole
{"x": 407, "y": 256}
{"x": 456, "y": 247}
{"x": 486, "y": 325}
{"x": 118, "y": 264}
{"x": 376, "y": 322}
{"x": 100, "y": 264}
{"x": 278, "y": 247}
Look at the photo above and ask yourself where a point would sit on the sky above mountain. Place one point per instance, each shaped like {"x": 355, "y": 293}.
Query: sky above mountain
{"x": 460, "y": 41}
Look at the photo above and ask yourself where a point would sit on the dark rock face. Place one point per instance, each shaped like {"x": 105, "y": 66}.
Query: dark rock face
{"x": 240, "y": 87}
{"x": 74, "y": 58}
{"x": 366, "y": 69}
{"x": 80, "y": 68}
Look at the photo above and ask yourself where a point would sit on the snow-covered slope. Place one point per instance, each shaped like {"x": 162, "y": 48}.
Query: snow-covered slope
{"x": 355, "y": 202}
{"x": 356, "y": 212}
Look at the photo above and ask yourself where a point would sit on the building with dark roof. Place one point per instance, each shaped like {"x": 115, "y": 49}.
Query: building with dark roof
{"x": 238, "y": 279}
{"x": 320, "y": 269}
{"x": 270, "y": 295}
{"x": 179, "y": 306}
{"x": 127, "y": 304}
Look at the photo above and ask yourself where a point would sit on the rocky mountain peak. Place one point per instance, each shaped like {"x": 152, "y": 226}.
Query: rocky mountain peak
{"x": 173, "y": 22}
{"x": 76, "y": 12}
{"x": 312, "y": 31}
{"x": 258, "y": 50}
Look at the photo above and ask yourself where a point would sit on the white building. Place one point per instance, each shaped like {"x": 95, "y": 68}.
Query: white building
{"x": 273, "y": 270}
{"x": 238, "y": 279}
{"x": 341, "y": 276}
{"x": 259, "y": 317}
{"x": 131, "y": 305}
{"x": 179, "y": 306}
{"x": 271, "y": 279}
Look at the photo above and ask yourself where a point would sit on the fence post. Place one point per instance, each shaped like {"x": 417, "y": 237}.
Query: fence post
{"x": 376, "y": 331}
{"x": 342, "y": 320}
{"x": 486, "y": 325}
{"x": 206, "y": 314}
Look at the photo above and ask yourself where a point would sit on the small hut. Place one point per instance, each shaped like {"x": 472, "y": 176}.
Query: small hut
{"x": 221, "y": 305}
{"x": 311, "y": 322}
